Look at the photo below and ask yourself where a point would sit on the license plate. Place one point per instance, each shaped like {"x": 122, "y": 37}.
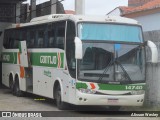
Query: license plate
{"x": 112, "y": 100}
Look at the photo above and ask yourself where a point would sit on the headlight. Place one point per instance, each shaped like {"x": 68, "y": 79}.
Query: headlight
{"x": 88, "y": 91}
{"x": 139, "y": 92}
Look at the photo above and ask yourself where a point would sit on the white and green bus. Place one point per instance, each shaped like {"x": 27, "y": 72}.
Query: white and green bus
{"x": 81, "y": 60}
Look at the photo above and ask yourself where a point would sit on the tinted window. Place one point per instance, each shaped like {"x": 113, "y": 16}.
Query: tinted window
{"x": 16, "y": 38}
{"x": 41, "y": 36}
{"x": 6, "y": 39}
{"x": 9, "y": 39}
{"x": 31, "y": 38}
{"x": 40, "y": 39}
{"x": 70, "y": 48}
{"x": 23, "y": 35}
{"x": 51, "y": 36}
{"x": 60, "y": 35}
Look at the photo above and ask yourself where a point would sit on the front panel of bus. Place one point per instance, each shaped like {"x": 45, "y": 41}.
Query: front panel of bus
{"x": 112, "y": 69}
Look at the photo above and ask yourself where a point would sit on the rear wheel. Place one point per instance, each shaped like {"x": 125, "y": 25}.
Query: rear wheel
{"x": 11, "y": 82}
{"x": 16, "y": 89}
{"x": 58, "y": 97}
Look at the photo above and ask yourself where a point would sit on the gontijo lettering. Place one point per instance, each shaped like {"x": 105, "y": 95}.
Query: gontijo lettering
{"x": 6, "y": 58}
{"x": 48, "y": 59}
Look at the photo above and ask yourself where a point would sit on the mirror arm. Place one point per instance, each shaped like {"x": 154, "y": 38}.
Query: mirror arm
{"x": 154, "y": 51}
{"x": 78, "y": 48}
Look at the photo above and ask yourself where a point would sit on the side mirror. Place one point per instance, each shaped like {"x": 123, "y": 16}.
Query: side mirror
{"x": 154, "y": 51}
{"x": 78, "y": 48}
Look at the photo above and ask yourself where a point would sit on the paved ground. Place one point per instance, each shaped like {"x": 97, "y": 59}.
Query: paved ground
{"x": 8, "y": 102}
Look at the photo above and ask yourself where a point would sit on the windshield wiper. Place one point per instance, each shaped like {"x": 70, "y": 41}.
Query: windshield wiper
{"x": 105, "y": 70}
{"x": 116, "y": 61}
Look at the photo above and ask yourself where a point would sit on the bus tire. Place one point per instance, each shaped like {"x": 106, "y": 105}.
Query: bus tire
{"x": 17, "y": 90}
{"x": 60, "y": 105}
{"x": 11, "y": 82}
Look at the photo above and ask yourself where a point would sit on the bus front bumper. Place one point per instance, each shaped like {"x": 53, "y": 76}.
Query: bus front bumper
{"x": 116, "y": 100}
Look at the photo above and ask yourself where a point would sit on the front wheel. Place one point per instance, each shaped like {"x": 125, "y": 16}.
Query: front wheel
{"x": 60, "y": 104}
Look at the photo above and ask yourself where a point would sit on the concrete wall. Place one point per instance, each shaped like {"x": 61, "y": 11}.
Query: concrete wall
{"x": 45, "y": 9}
{"x": 153, "y": 85}
{"x": 149, "y": 22}
{"x": 153, "y": 71}
{"x": 23, "y": 11}
{"x": 42, "y": 10}
{"x": 7, "y": 12}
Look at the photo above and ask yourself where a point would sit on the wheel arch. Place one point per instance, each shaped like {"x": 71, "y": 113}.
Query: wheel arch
{"x": 11, "y": 74}
{"x": 11, "y": 78}
{"x": 58, "y": 81}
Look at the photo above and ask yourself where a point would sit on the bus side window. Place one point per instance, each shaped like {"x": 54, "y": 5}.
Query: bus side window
{"x": 23, "y": 35}
{"x": 40, "y": 39}
{"x": 16, "y": 38}
{"x": 60, "y": 35}
{"x": 51, "y": 39}
{"x": 41, "y": 36}
{"x": 11, "y": 39}
{"x": 6, "y": 39}
{"x": 28, "y": 38}
{"x": 51, "y": 35}
{"x": 31, "y": 40}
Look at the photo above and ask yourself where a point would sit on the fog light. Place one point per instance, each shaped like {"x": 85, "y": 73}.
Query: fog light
{"x": 80, "y": 99}
{"x": 85, "y": 99}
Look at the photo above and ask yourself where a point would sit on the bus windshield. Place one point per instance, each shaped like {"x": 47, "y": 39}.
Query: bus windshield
{"x": 106, "y": 62}
{"x": 110, "y": 32}
{"x": 112, "y": 61}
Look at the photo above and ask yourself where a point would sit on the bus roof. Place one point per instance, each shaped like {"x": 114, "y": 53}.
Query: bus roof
{"x": 77, "y": 18}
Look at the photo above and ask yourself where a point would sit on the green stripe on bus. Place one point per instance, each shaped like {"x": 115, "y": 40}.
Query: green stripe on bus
{"x": 121, "y": 87}
{"x": 62, "y": 59}
{"x": 47, "y": 59}
{"x": 81, "y": 85}
{"x": 9, "y": 57}
{"x": 112, "y": 87}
